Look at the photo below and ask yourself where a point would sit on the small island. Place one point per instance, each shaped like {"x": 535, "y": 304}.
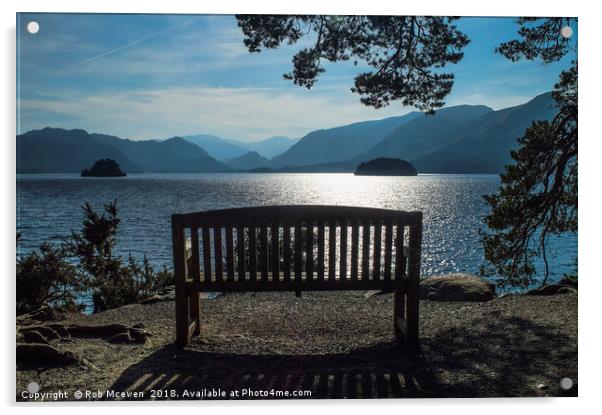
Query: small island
{"x": 104, "y": 168}
{"x": 385, "y": 167}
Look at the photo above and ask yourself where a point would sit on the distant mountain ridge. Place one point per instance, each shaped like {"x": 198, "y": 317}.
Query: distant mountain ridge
{"x": 463, "y": 139}
{"x": 248, "y": 161}
{"x": 272, "y": 146}
{"x": 225, "y": 148}
{"x": 459, "y": 139}
{"x": 56, "y": 150}
{"x": 339, "y": 143}
{"x": 424, "y": 132}
{"x": 217, "y": 147}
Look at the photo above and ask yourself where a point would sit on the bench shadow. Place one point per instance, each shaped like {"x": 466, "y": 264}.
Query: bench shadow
{"x": 493, "y": 356}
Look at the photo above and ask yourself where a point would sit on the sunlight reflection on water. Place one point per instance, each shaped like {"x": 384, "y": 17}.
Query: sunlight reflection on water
{"x": 49, "y": 206}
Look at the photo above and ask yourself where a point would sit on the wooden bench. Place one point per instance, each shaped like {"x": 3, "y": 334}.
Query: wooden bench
{"x": 297, "y": 248}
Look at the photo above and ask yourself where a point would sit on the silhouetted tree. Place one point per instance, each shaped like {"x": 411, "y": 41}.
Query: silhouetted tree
{"x": 405, "y": 52}
{"x": 538, "y": 196}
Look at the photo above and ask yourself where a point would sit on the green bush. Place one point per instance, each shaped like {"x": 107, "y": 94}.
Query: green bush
{"x": 112, "y": 281}
{"x": 46, "y": 277}
{"x": 85, "y": 263}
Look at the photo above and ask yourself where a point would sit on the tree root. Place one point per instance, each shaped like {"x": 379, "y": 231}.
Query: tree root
{"x": 48, "y": 355}
{"x": 116, "y": 333}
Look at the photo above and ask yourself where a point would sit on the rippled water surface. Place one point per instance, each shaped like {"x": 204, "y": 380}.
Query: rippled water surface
{"x": 49, "y": 206}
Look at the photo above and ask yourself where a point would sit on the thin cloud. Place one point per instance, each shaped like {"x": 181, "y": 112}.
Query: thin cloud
{"x": 135, "y": 42}
{"x": 243, "y": 113}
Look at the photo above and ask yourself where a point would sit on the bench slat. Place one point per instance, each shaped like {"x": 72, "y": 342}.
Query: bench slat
{"x": 321, "y": 251}
{"x": 366, "y": 250}
{"x": 217, "y": 248}
{"x": 275, "y": 249}
{"x": 376, "y": 250}
{"x": 298, "y": 252}
{"x": 206, "y": 252}
{"x": 286, "y": 240}
{"x": 240, "y": 247}
{"x": 332, "y": 247}
{"x": 399, "y": 255}
{"x": 354, "y": 249}
{"x": 195, "y": 270}
{"x": 388, "y": 249}
{"x": 343, "y": 250}
{"x": 252, "y": 253}
{"x": 229, "y": 253}
{"x": 263, "y": 254}
{"x": 309, "y": 259}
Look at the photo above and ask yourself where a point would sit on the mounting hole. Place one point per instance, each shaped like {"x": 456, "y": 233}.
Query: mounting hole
{"x": 33, "y": 387}
{"x": 33, "y": 27}
{"x": 566, "y": 32}
{"x": 566, "y": 383}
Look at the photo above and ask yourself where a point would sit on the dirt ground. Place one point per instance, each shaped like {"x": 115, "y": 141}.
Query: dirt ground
{"x": 326, "y": 345}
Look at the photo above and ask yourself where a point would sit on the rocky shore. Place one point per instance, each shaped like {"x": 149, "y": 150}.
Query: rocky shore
{"x": 332, "y": 344}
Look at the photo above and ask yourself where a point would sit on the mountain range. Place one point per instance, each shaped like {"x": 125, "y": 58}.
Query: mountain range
{"x": 339, "y": 143}
{"x": 457, "y": 139}
{"x": 225, "y": 148}
{"x": 462, "y": 139}
{"x": 56, "y": 150}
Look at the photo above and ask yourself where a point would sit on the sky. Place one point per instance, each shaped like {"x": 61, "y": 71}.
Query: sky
{"x": 159, "y": 76}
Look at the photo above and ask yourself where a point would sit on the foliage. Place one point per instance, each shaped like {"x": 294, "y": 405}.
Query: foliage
{"x": 540, "y": 38}
{"x": 405, "y": 52}
{"x": 52, "y": 277}
{"x": 538, "y": 195}
{"x": 113, "y": 282}
{"x": 45, "y": 277}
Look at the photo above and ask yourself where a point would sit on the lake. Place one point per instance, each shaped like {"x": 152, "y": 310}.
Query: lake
{"x": 49, "y": 207}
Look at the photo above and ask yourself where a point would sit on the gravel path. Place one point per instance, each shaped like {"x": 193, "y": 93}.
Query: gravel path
{"x": 334, "y": 345}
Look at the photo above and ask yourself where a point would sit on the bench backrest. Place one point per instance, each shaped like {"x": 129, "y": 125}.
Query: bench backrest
{"x": 296, "y": 248}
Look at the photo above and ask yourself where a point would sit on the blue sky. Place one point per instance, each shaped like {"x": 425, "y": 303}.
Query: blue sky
{"x": 158, "y": 76}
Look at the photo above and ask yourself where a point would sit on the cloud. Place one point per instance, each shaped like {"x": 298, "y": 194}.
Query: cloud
{"x": 136, "y": 42}
{"x": 244, "y": 113}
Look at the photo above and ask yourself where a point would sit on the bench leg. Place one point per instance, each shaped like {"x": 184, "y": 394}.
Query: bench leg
{"x": 405, "y": 318}
{"x": 182, "y": 316}
{"x": 412, "y": 313}
{"x": 399, "y": 318}
{"x": 195, "y": 312}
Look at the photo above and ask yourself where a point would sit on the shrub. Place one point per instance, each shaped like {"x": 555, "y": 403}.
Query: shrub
{"x": 46, "y": 278}
{"x": 112, "y": 281}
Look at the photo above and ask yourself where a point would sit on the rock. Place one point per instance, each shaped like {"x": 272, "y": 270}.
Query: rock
{"x": 566, "y": 290}
{"x": 46, "y": 354}
{"x": 568, "y": 280}
{"x": 456, "y": 287}
{"x": 139, "y": 335}
{"x": 121, "y": 338}
{"x": 552, "y": 289}
{"x": 104, "y": 330}
{"x": 153, "y": 299}
{"x": 372, "y": 293}
{"x": 545, "y": 290}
